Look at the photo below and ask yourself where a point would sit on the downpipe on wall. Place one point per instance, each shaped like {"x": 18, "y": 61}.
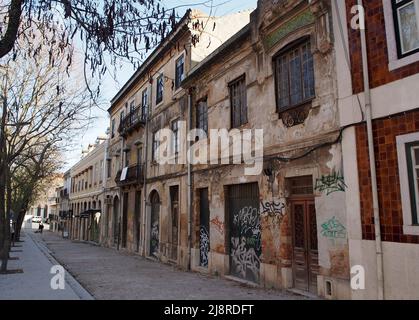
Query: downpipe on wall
{"x": 144, "y": 217}
{"x": 368, "y": 113}
{"x": 189, "y": 183}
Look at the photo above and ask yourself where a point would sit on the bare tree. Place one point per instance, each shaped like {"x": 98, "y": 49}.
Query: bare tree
{"x": 118, "y": 29}
{"x": 30, "y": 178}
{"x": 41, "y": 111}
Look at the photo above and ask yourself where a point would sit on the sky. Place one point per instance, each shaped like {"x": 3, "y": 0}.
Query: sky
{"x": 110, "y": 86}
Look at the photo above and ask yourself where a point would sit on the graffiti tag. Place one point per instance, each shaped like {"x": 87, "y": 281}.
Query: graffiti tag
{"x": 204, "y": 246}
{"x": 246, "y": 244}
{"x": 219, "y": 226}
{"x": 273, "y": 210}
{"x": 333, "y": 229}
{"x": 331, "y": 183}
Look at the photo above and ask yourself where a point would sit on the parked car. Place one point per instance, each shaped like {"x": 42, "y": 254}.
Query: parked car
{"x": 37, "y": 219}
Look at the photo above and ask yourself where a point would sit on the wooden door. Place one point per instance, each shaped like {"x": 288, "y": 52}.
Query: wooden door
{"x": 305, "y": 245}
{"x": 174, "y": 195}
{"x": 125, "y": 220}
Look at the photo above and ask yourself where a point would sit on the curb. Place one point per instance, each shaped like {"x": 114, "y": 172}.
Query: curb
{"x": 81, "y": 292}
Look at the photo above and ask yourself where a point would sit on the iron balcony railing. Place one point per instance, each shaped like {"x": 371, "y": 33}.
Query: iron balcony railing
{"x": 133, "y": 120}
{"x": 134, "y": 175}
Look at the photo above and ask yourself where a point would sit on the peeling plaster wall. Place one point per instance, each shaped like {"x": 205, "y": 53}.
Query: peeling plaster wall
{"x": 321, "y": 126}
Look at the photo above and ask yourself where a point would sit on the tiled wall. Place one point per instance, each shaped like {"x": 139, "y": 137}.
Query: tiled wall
{"x": 385, "y": 132}
{"x": 377, "y": 48}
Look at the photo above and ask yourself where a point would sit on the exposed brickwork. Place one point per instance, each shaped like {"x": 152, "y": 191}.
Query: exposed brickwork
{"x": 385, "y": 132}
{"x": 377, "y": 49}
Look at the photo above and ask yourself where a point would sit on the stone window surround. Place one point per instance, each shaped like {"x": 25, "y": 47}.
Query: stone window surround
{"x": 402, "y": 140}
{"x": 394, "y": 61}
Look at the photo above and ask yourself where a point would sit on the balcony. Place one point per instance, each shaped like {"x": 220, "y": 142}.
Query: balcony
{"x": 134, "y": 175}
{"x": 133, "y": 120}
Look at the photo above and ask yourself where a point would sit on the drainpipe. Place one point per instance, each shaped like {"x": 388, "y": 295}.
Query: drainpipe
{"x": 189, "y": 184}
{"x": 145, "y": 167}
{"x": 368, "y": 113}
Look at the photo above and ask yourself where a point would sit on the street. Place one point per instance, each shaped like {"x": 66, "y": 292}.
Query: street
{"x": 109, "y": 274}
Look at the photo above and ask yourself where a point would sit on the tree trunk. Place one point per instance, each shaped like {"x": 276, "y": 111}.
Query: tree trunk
{"x": 19, "y": 223}
{"x": 8, "y": 40}
{"x": 4, "y": 222}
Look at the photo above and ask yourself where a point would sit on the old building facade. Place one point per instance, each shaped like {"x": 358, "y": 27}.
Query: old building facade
{"x": 297, "y": 84}
{"x": 146, "y": 210}
{"x": 65, "y": 212}
{"x": 87, "y": 192}
{"x": 45, "y": 205}
{"x": 283, "y": 227}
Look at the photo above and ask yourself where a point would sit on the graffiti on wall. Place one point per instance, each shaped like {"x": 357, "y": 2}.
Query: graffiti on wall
{"x": 333, "y": 229}
{"x": 204, "y": 246}
{"x": 154, "y": 241}
{"x": 246, "y": 245}
{"x": 274, "y": 210}
{"x": 331, "y": 183}
{"x": 219, "y": 226}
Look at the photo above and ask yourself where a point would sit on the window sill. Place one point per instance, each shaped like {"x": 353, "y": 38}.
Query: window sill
{"x": 411, "y": 230}
{"x": 176, "y": 91}
{"x": 242, "y": 126}
{"x": 403, "y": 62}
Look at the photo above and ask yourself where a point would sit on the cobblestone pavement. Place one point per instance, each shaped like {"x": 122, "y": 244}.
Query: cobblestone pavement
{"x": 110, "y": 274}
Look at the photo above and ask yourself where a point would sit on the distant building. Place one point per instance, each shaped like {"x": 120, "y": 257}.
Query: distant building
{"x": 86, "y": 192}
{"x": 45, "y": 206}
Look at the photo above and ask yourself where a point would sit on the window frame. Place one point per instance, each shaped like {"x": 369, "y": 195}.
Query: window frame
{"x": 154, "y": 145}
{"x": 175, "y": 141}
{"x": 395, "y": 8}
{"x": 108, "y": 168}
{"x": 159, "y": 98}
{"x": 178, "y": 80}
{"x": 395, "y": 62}
{"x": 121, "y": 117}
{"x": 286, "y": 51}
{"x": 242, "y": 115}
{"x": 202, "y": 116}
{"x": 127, "y": 158}
{"x": 144, "y": 104}
{"x": 412, "y": 177}
{"x": 132, "y": 105}
{"x": 410, "y": 212}
{"x": 139, "y": 155}
{"x": 113, "y": 128}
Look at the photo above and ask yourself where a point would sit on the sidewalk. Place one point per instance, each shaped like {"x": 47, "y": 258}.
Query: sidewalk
{"x": 111, "y": 274}
{"x": 35, "y": 281}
